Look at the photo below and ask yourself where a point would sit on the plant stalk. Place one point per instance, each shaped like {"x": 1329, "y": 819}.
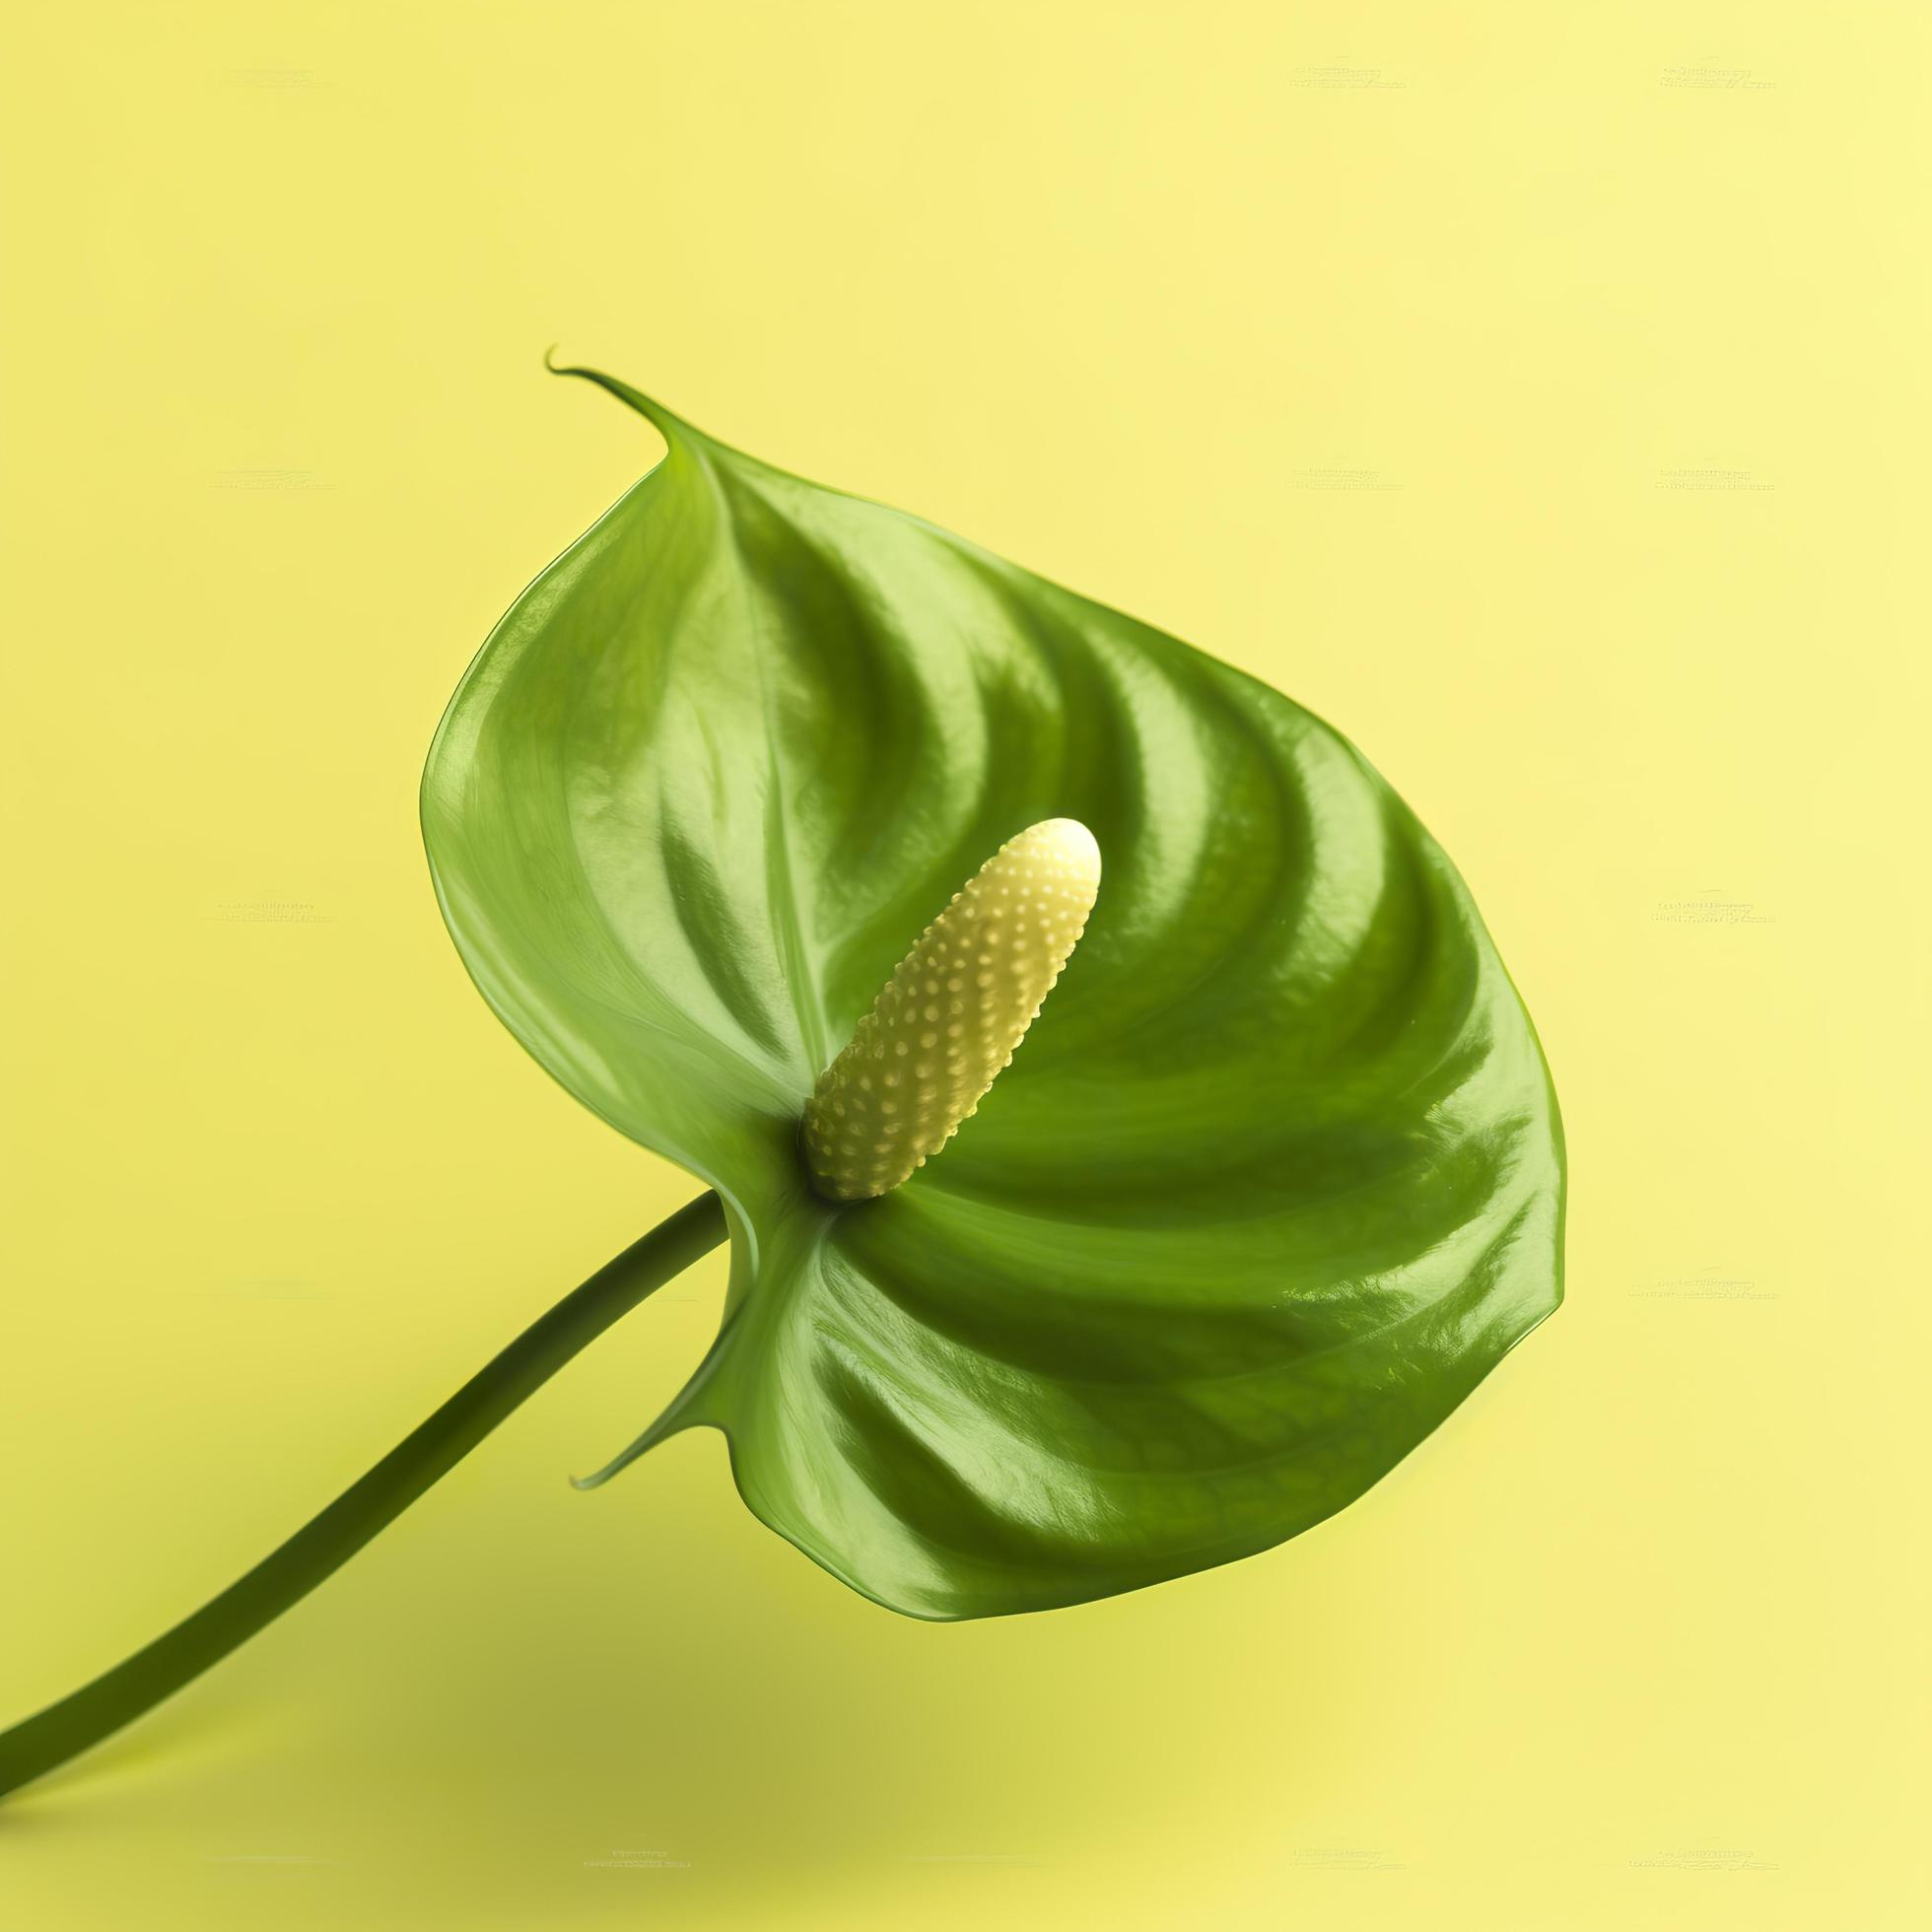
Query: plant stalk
{"x": 320, "y": 1547}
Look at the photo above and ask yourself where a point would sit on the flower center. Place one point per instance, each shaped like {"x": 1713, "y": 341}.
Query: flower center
{"x": 950, "y": 1016}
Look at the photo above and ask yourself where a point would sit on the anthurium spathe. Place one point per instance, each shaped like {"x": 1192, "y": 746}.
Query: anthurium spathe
{"x": 1128, "y": 1141}
{"x": 1275, "y": 1178}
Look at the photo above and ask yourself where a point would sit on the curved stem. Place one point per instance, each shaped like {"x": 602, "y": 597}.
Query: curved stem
{"x": 316, "y": 1552}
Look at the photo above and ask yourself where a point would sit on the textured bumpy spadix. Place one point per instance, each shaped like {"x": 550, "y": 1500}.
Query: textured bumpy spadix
{"x": 952, "y": 1013}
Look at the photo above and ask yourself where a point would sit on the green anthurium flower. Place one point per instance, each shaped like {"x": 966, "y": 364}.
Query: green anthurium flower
{"x": 1129, "y": 1140}
{"x": 1275, "y": 1178}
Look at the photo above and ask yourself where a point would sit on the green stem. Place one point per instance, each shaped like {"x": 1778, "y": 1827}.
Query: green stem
{"x": 319, "y": 1550}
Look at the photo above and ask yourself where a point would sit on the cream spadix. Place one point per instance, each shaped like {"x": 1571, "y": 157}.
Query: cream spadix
{"x": 950, "y": 1016}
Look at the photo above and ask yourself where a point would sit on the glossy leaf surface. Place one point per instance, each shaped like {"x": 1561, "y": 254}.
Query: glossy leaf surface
{"x": 1274, "y": 1181}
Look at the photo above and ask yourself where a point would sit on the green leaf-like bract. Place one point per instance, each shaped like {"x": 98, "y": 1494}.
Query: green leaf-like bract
{"x": 1275, "y": 1179}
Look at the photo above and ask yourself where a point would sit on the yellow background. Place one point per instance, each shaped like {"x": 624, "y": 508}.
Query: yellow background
{"x": 1538, "y": 392}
